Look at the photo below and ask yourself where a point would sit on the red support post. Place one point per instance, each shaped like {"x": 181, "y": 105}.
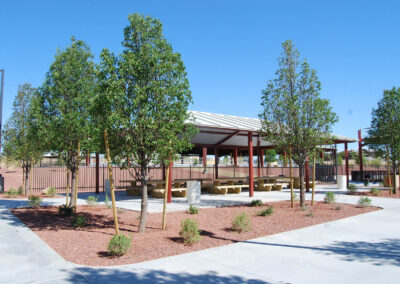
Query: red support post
{"x": 262, "y": 158}
{"x": 235, "y": 152}
{"x": 169, "y": 195}
{"x": 87, "y": 159}
{"x": 204, "y": 157}
{"x": 216, "y": 162}
{"x": 346, "y": 156}
{"x": 258, "y": 159}
{"x": 360, "y": 154}
{"x": 251, "y": 177}
{"x": 97, "y": 173}
{"x": 307, "y": 175}
{"x": 284, "y": 160}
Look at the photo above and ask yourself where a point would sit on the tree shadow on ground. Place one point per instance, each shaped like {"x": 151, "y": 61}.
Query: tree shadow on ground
{"x": 385, "y": 252}
{"x": 104, "y": 275}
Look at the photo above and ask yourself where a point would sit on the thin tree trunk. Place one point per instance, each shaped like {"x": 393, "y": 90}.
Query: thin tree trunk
{"x": 27, "y": 170}
{"x": 67, "y": 189}
{"x": 30, "y": 178}
{"x": 388, "y": 167}
{"x": 23, "y": 177}
{"x": 291, "y": 178}
{"x": 302, "y": 194}
{"x": 110, "y": 177}
{"x": 313, "y": 181}
{"x": 143, "y": 213}
{"x": 77, "y": 175}
{"x": 394, "y": 178}
{"x": 164, "y": 220}
{"x": 73, "y": 188}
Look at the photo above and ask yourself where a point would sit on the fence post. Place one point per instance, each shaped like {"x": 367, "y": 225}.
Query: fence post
{"x": 97, "y": 173}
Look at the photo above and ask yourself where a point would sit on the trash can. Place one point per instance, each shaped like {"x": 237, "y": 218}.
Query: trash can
{"x": 193, "y": 192}
{"x": 341, "y": 182}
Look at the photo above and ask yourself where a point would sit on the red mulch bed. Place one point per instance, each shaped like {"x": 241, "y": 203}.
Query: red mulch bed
{"x": 88, "y": 245}
{"x": 382, "y": 193}
{"x": 6, "y": 196}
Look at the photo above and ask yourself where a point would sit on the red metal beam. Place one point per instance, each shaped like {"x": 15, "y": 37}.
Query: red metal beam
{"x": 216, "y": 162}
{"x": 307, "y": 170}
{"x": 258, "y": 159}
{"x": 251, "y": 177}
{"x": 360, "y": 140}
{"x": 346, "y": 156}
{"x": 227, "y": 138}
{"x": 198, "y": 145}
{"x": 204, "y": 157}
{"x": 235, "y": 152}
{"x": 262, "y": 158}
{"x": 87, "y": 159}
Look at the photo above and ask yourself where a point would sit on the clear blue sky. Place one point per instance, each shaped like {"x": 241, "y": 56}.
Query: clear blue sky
{"x": 229, "y": 47}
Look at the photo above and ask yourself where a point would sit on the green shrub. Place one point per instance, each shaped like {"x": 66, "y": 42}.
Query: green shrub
{"x": 329, "y": 197}
{"x": 256, "y": 202}
{"x": 304, "y": 208}
{"x": 12, "y": 192}
{"x": 189, "y": 231}
{"x": 107, "y": 202}
{"x": 78, "y": 221}
{"x": 338, "y": 207}
{"x": 296, "y": 197}
{"x": 52, "y": 191}
{"x": 193, "y": 210}
{"x": 364, "y": 202}
{"x": 20, "y": 191}
{"x": 374, "y": 191}
{"x": 65, "y": 210}
{"x": 266, "y": 212}
{"x": 92, "y": 200}
{"x": 352, "y": 188}
{"x": 241, "y": 223}
{"x": 119, "y": 245}
{"x": 34, "y": 201}
{"x": 310, "y": 214}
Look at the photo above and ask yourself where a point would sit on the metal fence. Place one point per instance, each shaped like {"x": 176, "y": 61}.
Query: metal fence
{"x": 56, "y": 175}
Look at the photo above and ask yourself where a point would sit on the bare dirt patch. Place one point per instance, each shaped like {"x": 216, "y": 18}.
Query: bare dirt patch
{"x": 88, "y": 245}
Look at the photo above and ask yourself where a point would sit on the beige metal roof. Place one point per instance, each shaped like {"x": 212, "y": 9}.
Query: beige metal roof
{"x": 214, "y": 128}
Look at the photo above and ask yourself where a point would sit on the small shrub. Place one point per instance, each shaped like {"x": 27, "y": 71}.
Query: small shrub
{"x": 34, "y": 201}
{"x": 193, "y": 210}
{"x": 189, "y": 231}
{"x": 256, "y": 202}
{"x": 304, "y": 208}
{"x": 78, "y": 221}
{"x": 65, "y": 210}
{"x": 329, "y": 197}
{"x": 120, "y": 210}
{"x": 241, "y": 223}
{"x": 310, "y": 214}
{"x": 364, "y": 202}
{"x": 20, "y": 191}
{"x": 51, "y": 192}
{"x": 12, "y": 192}
{"x": 266, "y": 212}
{"x": 107, "y": 202}
{"x": 92, "y": 200}
{"x": 296, "y": 197}
{"x": 338, "y": 207}
{"x": 366, "y": 181}
{"x": 374, "y": 191}
{"x": 119, "y": 245}
{"x": 352, "y": 188}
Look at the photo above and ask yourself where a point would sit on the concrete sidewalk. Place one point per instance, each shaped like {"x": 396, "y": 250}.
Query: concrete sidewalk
{"x": 364, "y": 248}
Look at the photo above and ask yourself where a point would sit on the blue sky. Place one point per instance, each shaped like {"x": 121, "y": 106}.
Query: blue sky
{"x": 229, "y": 47}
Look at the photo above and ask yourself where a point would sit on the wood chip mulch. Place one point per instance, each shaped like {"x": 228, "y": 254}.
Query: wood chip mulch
{"x": 88, "y": 246}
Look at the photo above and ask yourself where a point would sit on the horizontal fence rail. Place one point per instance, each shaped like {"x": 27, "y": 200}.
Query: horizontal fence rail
{"x": 56, "y": 176}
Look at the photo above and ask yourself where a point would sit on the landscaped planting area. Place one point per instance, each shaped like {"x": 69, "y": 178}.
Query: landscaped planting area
{"x": 87, "y": 244}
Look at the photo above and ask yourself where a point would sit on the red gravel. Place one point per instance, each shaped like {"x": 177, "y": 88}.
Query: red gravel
{"x": 382, "y": 193}
{"x": 87, "y": 246}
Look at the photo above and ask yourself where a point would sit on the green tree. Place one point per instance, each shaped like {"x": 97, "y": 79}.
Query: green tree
{"x": 385, "y": 129}
{"x": 270, "y": 156}
{"x": 293, "y": 113}
{"x": 63, "y": 106}
{"x": 20, "y": 140}
{"x": 153, "y": 115}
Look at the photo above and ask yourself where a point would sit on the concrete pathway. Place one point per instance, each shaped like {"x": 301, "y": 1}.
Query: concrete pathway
{"x": 359, "y": 249}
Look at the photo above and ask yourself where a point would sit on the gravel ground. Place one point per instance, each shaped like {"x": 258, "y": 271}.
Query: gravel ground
{"x": 87, "y": 246}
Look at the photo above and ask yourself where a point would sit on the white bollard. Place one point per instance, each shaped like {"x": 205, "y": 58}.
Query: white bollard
{"x": 193, "y": 192}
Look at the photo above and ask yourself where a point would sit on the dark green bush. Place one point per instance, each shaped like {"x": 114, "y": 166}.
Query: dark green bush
{"x": 65, "y": 210}
{"x": 256, "y": 202}
{"x": 266, "y": 212}
{"x": 78, "y": 221}
{"x": 329, "y": 197}
{"x": 189, "y": 231}
{"x": 352, "y": 188}
{"x": 20, "y": 191}
{"x": 241, "y": 223}
{"x": 119, "y": 245}
{"x": 34, "y": 201}
{"x": 193, "y": 210}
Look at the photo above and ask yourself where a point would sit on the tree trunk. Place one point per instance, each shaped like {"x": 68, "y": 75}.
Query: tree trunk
{"x": 291, "y": 179}
{"x": 302, "y": 194}
{"x": 78, "y": 153}
{"x": 27, "y": 173}
{"x": 30, "y": 178}
{"x": 313, "y": 181}
{"x": 143, "y": 213}
{"x": 164, "y": 220}
{"x": 67, "y": 189}
{"x": 110, "y": 177}
{"x": 395, "y": 185}
{"x": 73, "y": 188}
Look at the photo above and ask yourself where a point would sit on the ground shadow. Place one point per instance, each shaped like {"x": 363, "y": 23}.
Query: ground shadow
{"x": 103, "y": 275}
{"x": 385, "y": 252}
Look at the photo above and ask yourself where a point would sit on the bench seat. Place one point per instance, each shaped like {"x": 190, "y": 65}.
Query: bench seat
{"x": 176, "y": 192}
